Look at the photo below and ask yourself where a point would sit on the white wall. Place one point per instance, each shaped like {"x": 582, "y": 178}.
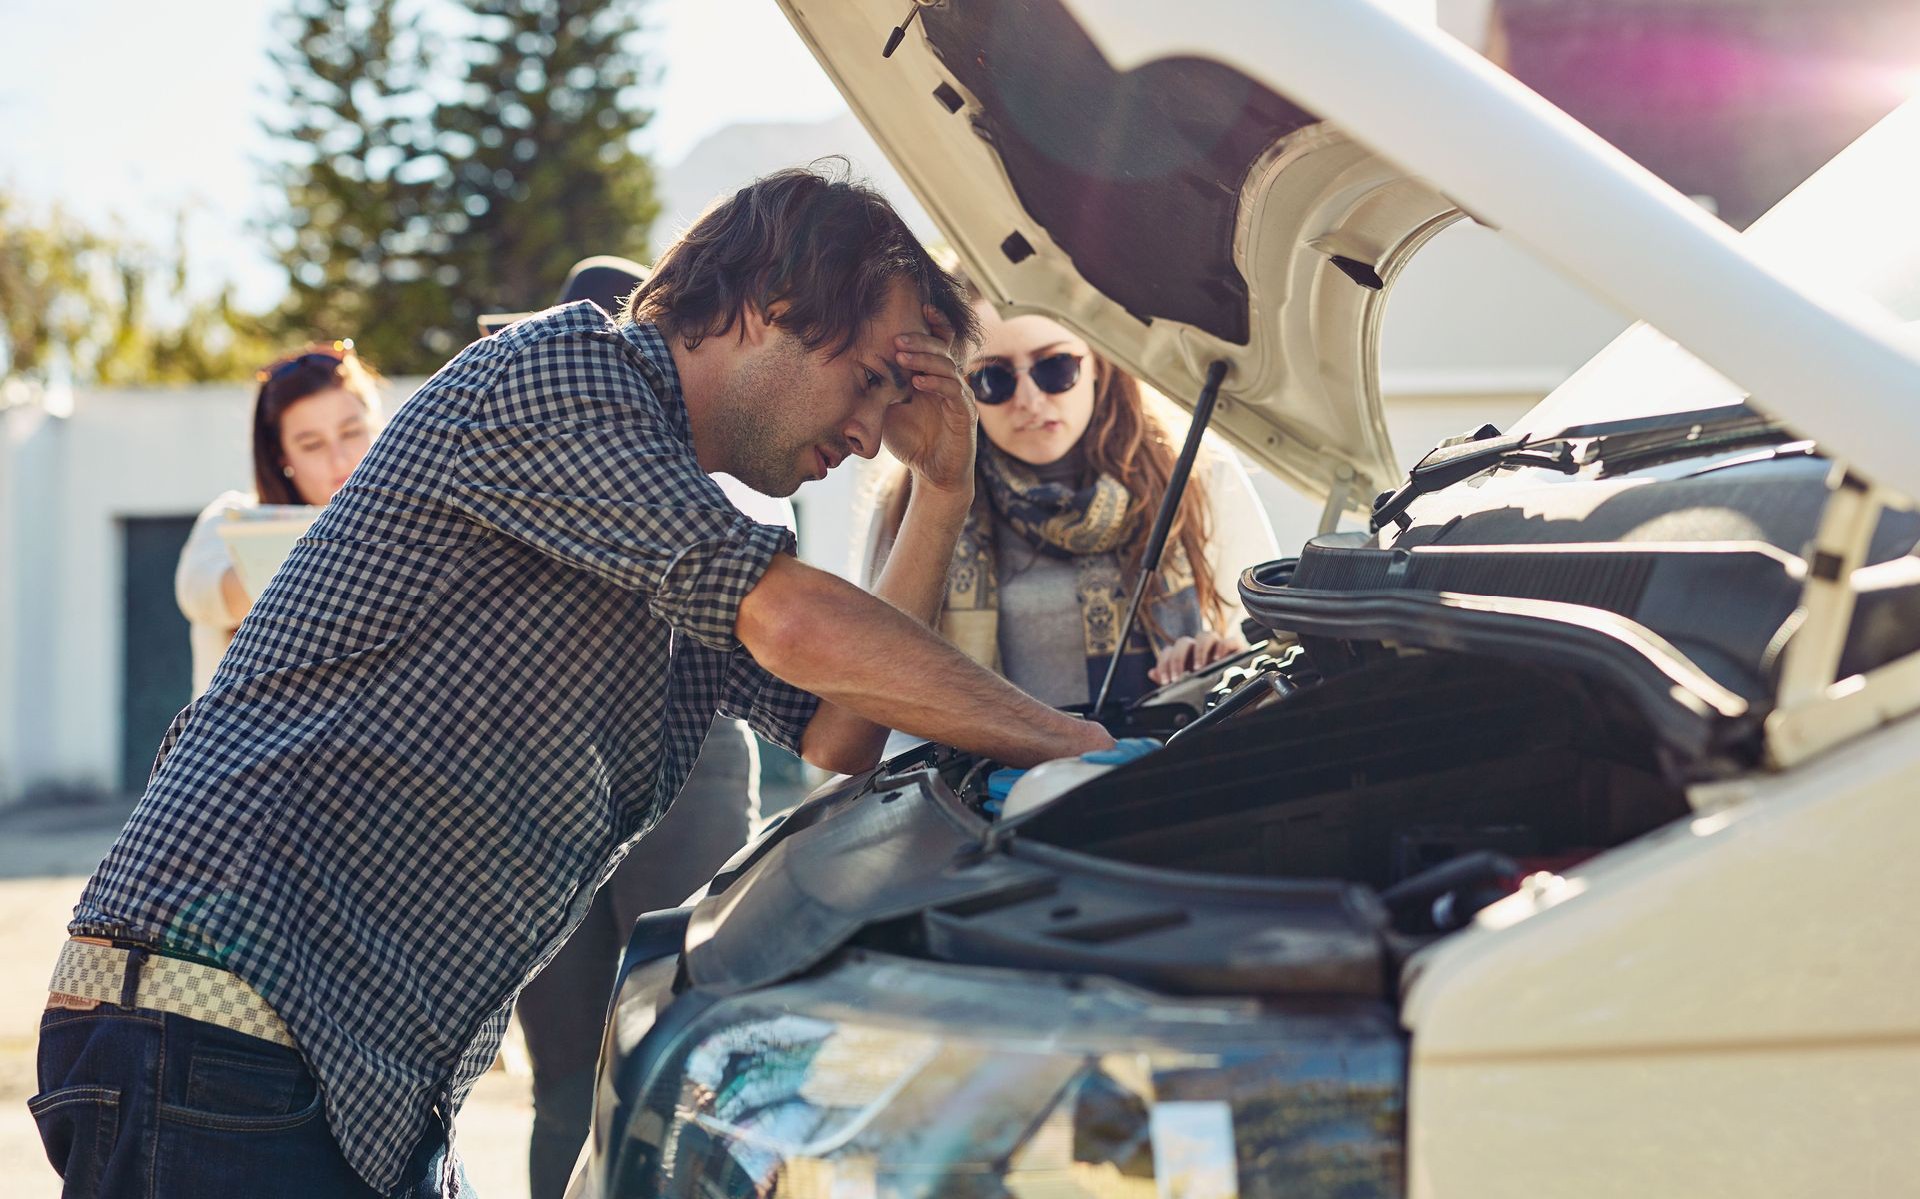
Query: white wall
{"x": 10, "y": 419}
{"x": 118, "y": 454}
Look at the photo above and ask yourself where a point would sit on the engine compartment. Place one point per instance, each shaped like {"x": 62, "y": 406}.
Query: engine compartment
{"x": 1298, "y": 847}
{"x": 1435, "y": 781}
{"x": 1380, "y": 773}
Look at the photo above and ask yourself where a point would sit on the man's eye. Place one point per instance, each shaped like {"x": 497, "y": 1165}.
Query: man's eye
{"x": 872, "y": 380}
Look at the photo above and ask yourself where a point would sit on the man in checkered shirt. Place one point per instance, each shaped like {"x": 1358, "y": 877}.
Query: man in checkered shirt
{"x": 488, "y": 668}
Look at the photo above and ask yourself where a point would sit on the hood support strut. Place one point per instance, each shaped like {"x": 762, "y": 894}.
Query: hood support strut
{"x": 1163, "y": 522}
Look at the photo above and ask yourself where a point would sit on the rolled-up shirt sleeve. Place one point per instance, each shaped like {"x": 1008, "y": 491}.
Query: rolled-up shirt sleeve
{"x": 776, "y": 710}
{"x": 574, "y": 456}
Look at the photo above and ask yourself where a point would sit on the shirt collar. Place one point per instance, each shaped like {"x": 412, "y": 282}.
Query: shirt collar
{"x": 652, "y": 346}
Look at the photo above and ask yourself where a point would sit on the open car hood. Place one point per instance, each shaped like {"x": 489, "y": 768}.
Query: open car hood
{"x": 1172, "y": 215}
{"x": 1159, "y": 177}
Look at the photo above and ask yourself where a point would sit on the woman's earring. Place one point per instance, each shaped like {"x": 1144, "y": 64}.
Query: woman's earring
{"x": 287, "y": 471}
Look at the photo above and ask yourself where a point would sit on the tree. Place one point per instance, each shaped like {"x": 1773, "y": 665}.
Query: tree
{"x": 83, "y": 305}
{"x": 540, "y": 143}
{"x": 423, "y": 189}
{"x": 46, "y": 291}
{"x": 360, "y": 231}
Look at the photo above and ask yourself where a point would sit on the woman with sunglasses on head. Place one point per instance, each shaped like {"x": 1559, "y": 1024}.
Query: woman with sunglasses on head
{"x": 1071, "y": 469}
{"x": 313, "y": 421}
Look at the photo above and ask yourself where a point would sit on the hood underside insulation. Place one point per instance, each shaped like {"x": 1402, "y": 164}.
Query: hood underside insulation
{"x": 1110, "y": 164}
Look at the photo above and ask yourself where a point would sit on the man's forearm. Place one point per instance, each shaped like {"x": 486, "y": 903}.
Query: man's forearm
{"x": 914, "y": 580}
{"x": 914, "y": 576}
{"x": 873, "y": 662}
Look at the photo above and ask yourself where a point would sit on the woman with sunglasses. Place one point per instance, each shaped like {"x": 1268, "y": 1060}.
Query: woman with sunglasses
{"x": 1070, "y": 471}
{"x": 313, "y": 420}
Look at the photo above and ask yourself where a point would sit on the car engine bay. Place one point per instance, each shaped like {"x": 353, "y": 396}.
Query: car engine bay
{"x": 1437, "y": 781}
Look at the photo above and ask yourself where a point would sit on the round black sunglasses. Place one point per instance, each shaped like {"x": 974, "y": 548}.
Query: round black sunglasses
{"x": 995, "y": 382}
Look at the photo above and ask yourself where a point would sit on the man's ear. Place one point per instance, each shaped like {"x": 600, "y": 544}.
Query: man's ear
{"x": 755, "y": 326}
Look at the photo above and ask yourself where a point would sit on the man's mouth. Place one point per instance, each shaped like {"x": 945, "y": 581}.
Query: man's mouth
{"x": 825, "y": 461}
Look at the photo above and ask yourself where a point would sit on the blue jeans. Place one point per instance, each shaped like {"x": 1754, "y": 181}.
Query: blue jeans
{"x": 148, "y": 1104}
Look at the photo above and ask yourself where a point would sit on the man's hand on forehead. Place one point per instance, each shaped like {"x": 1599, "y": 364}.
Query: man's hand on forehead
{"x": 935, "y": 439}
{"x": 882, "y": 338}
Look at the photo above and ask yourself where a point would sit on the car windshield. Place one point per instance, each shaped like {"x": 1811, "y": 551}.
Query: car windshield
{"x": 1849, "y": 229}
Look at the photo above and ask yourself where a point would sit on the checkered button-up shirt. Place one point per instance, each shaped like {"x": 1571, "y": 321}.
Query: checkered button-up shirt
{"x": 485, "y": 669}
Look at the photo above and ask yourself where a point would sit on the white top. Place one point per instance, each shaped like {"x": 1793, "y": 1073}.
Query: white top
{"x": 765, "y": 509}
{"x": 196, "y": 585}
{"x": 1242, "y": 534}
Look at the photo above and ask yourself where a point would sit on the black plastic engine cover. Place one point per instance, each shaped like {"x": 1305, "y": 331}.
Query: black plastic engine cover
{"x": 909, "y": 856}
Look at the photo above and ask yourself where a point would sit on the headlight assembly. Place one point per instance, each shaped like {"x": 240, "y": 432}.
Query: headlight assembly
{"x": 882, "y": 1078}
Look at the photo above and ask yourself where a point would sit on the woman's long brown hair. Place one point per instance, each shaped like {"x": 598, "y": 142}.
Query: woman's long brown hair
{"x": 1124, "y": 440}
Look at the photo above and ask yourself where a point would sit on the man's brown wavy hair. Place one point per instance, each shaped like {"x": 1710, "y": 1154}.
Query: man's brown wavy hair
{"x": 825, "y": 249}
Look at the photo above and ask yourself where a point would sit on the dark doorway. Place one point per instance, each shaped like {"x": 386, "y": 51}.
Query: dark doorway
{"x": 156, "y": 661}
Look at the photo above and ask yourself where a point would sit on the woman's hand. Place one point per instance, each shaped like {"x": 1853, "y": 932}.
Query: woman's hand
{"x": 1189, "y": 654}
{"x": 234, "y": 596}
{"x": 932, "y": 431}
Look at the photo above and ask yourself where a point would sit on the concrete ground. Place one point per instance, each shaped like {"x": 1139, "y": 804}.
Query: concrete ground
{"x": 46, "y": 852}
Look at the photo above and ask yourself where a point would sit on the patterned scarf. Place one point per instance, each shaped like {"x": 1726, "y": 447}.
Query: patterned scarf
{"x": 1082, "y": 523}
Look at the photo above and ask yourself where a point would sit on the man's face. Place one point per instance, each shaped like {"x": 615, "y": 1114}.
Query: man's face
{"x": 789, "y": 415}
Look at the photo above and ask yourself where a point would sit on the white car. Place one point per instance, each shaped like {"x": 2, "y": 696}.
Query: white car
{"x": 1559, "y": 838}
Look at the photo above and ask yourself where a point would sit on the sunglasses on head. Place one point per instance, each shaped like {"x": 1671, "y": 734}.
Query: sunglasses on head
{"x": 995, "y": 382}
{"x": 327, "y": 358}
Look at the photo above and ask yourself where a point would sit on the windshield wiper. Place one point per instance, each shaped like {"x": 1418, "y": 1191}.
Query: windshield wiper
{"x": 1455, "y": 461}
{"x": 1686, "y": 435}
{"x": 1665, "y": 426}
{"x": 1613, "y": 446}
{"x": 1163, "y": 522}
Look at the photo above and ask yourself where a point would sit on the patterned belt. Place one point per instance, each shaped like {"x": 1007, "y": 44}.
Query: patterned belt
{"x": 96, "y": 971}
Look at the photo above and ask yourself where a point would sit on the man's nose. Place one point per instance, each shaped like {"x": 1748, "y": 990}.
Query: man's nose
{"x": 862, "y": 432}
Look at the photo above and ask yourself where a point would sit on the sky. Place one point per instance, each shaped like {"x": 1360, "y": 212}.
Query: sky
{"x": 125, "y": 111}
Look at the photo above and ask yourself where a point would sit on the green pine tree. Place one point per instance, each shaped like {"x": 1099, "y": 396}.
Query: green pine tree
{"x": 360, "y": 230}
{"x": 540, "y": 144}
